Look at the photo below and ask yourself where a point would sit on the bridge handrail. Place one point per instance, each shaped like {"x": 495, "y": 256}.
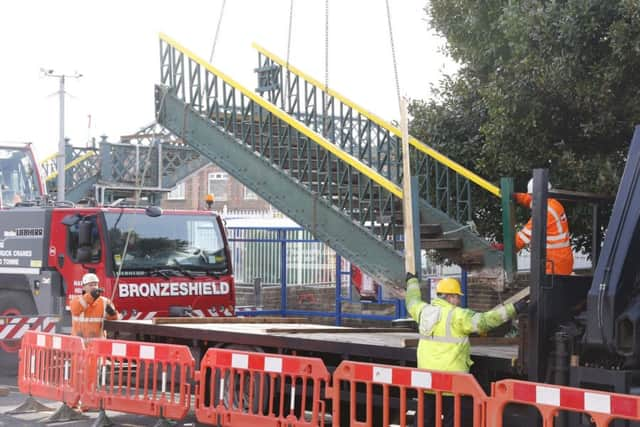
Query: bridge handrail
{"x": 419, "y": 145}
{"x": 69, "y": 165}
{"x": 49, "y": 158}
{"x": 361, "y": 167}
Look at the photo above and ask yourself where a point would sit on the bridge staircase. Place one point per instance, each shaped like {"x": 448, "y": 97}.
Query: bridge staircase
{"x": 444, "y": 186}
{"x": 339, "y": 178}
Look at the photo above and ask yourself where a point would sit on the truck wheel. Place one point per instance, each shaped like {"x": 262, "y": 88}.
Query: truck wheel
{"x": 14, "y": 303}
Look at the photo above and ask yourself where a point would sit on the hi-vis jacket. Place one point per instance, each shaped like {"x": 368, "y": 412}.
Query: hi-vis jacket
{"x": 559, "y": 252}
{"x": 445, "y": 328}
{"x": 88, "y": 315}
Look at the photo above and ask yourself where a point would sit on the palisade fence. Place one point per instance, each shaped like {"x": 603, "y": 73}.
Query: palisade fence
{"x": 276, "y": 261}
{"x": 266, "y": 253}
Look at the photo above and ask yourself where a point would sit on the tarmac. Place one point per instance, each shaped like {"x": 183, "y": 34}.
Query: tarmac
{"x": 13, "y": 399}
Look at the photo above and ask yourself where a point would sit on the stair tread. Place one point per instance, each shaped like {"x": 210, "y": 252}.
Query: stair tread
{"x": 442, "y": 243}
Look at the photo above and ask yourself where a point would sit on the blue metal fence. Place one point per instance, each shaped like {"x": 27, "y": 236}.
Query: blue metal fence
{"x": 287, "y": 257}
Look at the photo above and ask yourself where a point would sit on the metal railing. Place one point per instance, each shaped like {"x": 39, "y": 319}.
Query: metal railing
{"x": 280, "y": 257}
{"x": 350, "y": 185}
{"x": 289, "y": 257}
{"x": 443, "y": 183}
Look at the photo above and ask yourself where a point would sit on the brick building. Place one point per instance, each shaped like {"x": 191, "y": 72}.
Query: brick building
{"x": 191, "y": 192}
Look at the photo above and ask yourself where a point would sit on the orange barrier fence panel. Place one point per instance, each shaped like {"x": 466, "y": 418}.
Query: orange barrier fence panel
{"x": 139, "y": 378}
{"x": 384, "y": 394}
{"x": 51, "y": 366}
{"x": 238, "y": 388}
{"x": 601, "y": 407}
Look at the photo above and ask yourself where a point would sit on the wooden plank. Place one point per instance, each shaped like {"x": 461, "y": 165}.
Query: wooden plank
{"x": 301, "y": 330}
{"x": 407, "y": 202}
{"x": 411, "y": 342}
{"x": 196, "y": 320}
{"x": 478, "y": 342}
{"x": 493, "y": 341}
{"x": 523, "y": 293}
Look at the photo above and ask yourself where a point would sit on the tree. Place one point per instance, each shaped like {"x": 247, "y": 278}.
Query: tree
{"x": 541, "y": 84}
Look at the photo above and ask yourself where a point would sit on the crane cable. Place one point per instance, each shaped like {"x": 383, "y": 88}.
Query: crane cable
{"x": 215, "y": 37}
{"x": 285, "y": 90}
{"x": 138, "y": 194}
{"x": 325, "y": 93}
{"x": 393, "y": 54}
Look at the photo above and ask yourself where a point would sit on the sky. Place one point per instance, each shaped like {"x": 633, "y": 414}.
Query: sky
{"x": 114, "y": 45}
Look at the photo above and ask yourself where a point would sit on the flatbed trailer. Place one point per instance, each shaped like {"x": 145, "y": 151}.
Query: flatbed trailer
{"x": 494, "y": 358}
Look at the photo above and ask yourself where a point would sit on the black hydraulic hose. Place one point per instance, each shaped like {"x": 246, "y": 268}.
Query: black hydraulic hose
{"x": 603, "y": 287}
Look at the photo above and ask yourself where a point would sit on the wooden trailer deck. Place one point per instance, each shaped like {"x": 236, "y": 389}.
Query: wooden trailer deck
{"x": 396, "y": 344}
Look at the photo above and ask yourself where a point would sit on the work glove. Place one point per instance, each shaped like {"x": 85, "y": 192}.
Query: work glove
{"x": 95, "y": 293}
{"x": 110, "y": 310}
{"x": 521, "y": 306}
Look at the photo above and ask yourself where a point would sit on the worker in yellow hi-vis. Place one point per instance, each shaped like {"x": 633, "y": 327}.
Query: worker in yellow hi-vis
{"x": 444, "y": 329}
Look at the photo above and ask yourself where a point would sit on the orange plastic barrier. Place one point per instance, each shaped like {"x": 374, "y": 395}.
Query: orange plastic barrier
{"x": 139, "y": 378}
{"x": 407, "y": 386}
{"x": 51, "y": 366}
{"x": 238, "y": 388}
{"x": 550, "y": 399}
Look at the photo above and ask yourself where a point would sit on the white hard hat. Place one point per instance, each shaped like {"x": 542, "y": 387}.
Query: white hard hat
{"x": 90, "y": 278}
{"x": 530, "y": 186}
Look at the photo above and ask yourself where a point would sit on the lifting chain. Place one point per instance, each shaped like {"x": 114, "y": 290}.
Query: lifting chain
{"x": 215, "y": 38}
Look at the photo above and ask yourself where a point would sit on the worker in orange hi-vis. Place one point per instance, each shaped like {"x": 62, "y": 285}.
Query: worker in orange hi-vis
{"x": 559, "y": 251}
{"x": 90, "y": 309}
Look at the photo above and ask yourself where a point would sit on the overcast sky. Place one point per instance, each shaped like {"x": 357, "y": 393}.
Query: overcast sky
{"x": 114, "y": 44}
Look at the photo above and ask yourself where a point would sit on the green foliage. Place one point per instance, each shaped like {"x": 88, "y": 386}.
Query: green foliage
{"x": 541, "y": 84}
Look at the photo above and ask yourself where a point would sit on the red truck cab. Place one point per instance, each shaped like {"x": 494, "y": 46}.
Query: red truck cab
{"x": 150, "y": 263}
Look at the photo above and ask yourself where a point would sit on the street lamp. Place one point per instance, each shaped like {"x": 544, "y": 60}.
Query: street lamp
{"x": 60, "y": 161}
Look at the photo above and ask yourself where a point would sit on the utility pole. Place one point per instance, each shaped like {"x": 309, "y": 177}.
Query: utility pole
{"x": 61, "y": 158}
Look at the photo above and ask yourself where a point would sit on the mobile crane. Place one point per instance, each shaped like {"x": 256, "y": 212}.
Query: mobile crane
{"x": 150, "y": 262}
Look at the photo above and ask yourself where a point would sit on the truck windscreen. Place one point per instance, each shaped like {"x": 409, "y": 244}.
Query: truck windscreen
{"x": 17, "y": 178}
{"x": 173, "y": 243}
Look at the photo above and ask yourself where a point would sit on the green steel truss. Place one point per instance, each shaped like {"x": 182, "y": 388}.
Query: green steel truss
{"x": 333, "y": 195}
{"x": 444, "y": 187}
{"x": 346, "y": 193}
{"x": 152, "y": 160}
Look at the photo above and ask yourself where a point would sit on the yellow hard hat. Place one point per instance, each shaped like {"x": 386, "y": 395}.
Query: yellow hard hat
{"x": 449, "y": 286}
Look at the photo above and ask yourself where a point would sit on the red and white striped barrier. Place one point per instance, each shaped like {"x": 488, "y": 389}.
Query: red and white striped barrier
{"x": 406, "y": 383}
{"x": 14, "y": 327}
{"x": 52, "y": 367}
{"x": 139, "y": 378}
{"x": 238, "y": 388}
{"x": 602, "y": 407}
{"x": 405, "y": 377}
